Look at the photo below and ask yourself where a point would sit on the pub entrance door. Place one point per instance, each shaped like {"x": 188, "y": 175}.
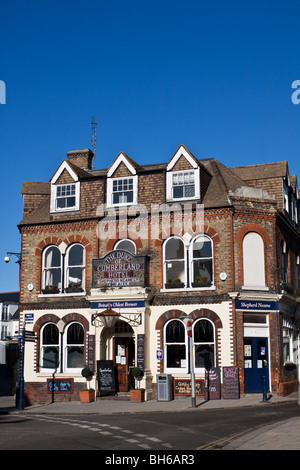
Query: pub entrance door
{"x": 124, "y": 355}
{"x": 256, "y": 363}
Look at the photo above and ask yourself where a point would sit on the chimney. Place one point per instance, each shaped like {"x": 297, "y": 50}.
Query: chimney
{"x": 81, "y": 158}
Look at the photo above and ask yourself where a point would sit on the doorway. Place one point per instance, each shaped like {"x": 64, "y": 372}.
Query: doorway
{"x": 124, "y": 355}
{"x": 256, "y": 365}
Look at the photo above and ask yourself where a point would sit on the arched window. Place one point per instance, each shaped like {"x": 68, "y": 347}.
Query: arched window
{"x": 175, "y": 341}
{"x": 127, "y": 245}
{"x": 204, "y": 344}
{"x": 202, "y": 261}
{"x": 52, "y": 268}
{"x": 254, "y": 261}
{"x": 50, "y": 347}
{"x": 75, "y": 267}
{"x": 74, "y": 338}
{"x": 174, "y": 263}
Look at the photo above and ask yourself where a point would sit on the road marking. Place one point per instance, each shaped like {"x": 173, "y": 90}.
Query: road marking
{"x": 94, "y": 427}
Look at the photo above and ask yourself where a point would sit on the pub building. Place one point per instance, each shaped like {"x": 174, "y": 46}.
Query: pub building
{"x": 114, "y": 261}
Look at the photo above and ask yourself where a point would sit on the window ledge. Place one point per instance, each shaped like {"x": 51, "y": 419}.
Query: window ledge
{"x": 64, "y": 294}
{"x": 189, "y": 289}
{"x": 261, "y": 288}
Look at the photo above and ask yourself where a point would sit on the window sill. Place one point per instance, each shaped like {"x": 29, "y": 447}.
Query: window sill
{"x": 188, "y": 289}
{"x": 260, "y": 288}
{"x": 64, "y": 294}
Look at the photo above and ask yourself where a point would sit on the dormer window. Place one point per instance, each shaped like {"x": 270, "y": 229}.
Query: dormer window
{"x": 183, "y": 176}
{"x": 183, "y": 185}
{"x": 122, "y": 182}
{"x": 65, "y": 190}
{"x": 65, "y": 196}
{"x": 122, "y": 191}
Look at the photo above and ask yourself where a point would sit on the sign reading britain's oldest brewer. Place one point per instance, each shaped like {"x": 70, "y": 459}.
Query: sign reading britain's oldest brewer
{"x": 119, "y": 268}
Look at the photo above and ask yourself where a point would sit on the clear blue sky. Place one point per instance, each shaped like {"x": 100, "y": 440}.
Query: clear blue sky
{"x": 214, "y": 75}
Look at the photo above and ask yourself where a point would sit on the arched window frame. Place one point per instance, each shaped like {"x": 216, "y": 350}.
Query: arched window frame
{"x": 249, "y": 262}
{"x": 43, "y": 346}
{"x": 67, "y": 345}
{"x": 118, "y": 245}
{"x": 70, "y": 283}
{"x": 47, "y": 278}
{"x": 167, "y": 279}
{"x": 198, "y": 344}
{"x": 199, "y": 281}
{"x": 183, "y": 364}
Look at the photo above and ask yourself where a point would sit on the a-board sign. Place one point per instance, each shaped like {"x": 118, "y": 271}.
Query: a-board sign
{"x": 140, "y": 351}
{"x": 183, "y": 387}
{"x": 106, "y": 376}
{"x": 212, "y": 384}
{"x": 59, "y": 385}
{"x": 231, "y": 388}
{"x": 91, "y": 352}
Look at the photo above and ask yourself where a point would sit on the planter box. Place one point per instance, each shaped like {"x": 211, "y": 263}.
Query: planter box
{"x": 137, "y": 395}
{"x": 174, "y": 286}
{"x": 87, "y": 396}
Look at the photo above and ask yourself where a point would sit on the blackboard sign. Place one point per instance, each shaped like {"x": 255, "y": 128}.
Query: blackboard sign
{"x": 106, "y": 376}
{"x": 59, "y": 385}
{"x": 183, "y": 387}
{"x": 212, "y": 384}
{"x": 231, "y": 389}
{"x": 91, "y": 352}
{"x": 140, "y": 351}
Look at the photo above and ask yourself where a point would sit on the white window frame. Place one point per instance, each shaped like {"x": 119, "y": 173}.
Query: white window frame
{"x": 42, "y": 346}
{"x": 170, "y": 175}
{"x": 165, "y": 261}
{"x": 68, "y": 267}
{"x": 45, "y": 269}
{"x": 54, "y": 198}
{"x": 119, "y": 242}
{"x": 176, "y": 370}
{"x": 74, "y": 370}
{"x": 192, "y": 259}
{"x": 110, "y": 182}
{"x": 202, "y": 369}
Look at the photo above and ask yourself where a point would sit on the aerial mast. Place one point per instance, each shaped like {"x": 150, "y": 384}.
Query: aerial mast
{"x": 94, "y": 129}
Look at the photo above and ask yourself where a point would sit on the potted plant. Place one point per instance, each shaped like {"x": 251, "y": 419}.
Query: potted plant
{"x": 201, "y": 282}
{"x": 74, "y": 287}
{"x": 87, "y": 395}
{"x": 137, "y": 395}
{"x": 50, "y": 289}
{"x": 174, "y": 284}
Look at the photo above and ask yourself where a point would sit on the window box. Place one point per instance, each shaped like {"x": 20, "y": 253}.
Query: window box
{"x": 174, "y": 284}
{"x": 201, "y": 282}
{"x": 51, "y": 290}
{"x": 73, "y": 288}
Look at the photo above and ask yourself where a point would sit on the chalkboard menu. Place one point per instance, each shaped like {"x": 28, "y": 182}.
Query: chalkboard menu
{"x": 59, "y": 385}
{"x": 91, "y": 352}
{"x": 231, "y": 389}
{"x": 106, "y": 377}
{"x": 140, "y": 351}
{"x": 212, "y": 384}
{"x": 183, "y": 387}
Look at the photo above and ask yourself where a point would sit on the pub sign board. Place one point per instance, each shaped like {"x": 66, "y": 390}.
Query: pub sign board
{"x": 119, "y": 268}
{"x": 231, "y": 388}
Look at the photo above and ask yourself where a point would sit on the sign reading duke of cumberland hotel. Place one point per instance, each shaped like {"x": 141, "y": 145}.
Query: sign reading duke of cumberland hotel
{"x": 119, "y": 269}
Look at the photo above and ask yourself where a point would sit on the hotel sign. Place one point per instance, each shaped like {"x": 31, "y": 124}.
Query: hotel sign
{"x": 119, "y": 268}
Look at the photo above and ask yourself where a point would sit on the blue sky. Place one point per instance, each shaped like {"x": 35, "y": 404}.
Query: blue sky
{"x": 214, "y": 75}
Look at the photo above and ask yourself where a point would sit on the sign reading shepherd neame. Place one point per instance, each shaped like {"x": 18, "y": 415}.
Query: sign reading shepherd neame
{"x": 119, "y": 268}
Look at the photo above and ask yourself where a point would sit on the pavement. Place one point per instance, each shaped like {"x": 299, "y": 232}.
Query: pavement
{"x": 283, "y": 435}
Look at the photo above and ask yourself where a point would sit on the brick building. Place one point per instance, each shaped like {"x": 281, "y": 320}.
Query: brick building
{"x": 144, "y": 246}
